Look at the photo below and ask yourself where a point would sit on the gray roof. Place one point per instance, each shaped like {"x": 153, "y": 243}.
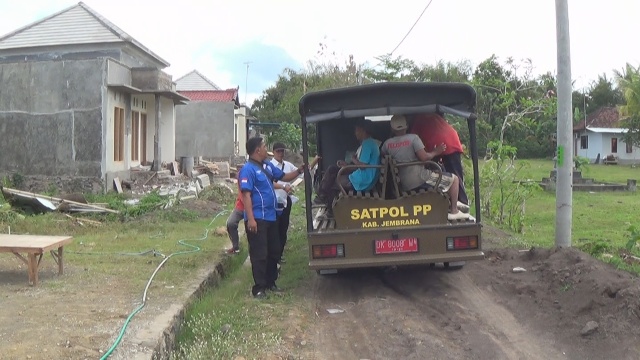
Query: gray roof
{"x": 78, "y": 24}
{"x": 195, "y": 81}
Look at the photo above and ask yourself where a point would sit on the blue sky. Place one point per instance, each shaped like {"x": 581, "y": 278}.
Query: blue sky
{"x": 217, "y": 37}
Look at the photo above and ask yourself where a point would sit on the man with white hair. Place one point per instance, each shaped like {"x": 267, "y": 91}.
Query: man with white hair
{"x": 405, "y": 148}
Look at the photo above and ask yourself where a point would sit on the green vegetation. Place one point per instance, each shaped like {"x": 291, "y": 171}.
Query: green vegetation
{"x": 227, "y": 322}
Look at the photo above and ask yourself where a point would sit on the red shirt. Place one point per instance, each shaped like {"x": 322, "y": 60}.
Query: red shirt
{"x": 434, "y": 130}
{"x": 239, "y": 203}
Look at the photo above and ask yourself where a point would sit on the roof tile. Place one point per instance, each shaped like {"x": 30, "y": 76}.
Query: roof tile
{"x": 605, "y": 117}
{"x": 229, "y": 95}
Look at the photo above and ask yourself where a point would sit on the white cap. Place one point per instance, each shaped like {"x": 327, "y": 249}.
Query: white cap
{"x": 398, "y": 122}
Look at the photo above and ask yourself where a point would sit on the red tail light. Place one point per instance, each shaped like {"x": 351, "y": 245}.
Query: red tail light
{"x": 328, "y": 251}
{"x": 462, "y": 243}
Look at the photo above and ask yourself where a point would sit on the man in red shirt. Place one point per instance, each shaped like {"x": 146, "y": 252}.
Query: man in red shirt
{"x": 434, "y": 130}
{"x": 233, "y": 220}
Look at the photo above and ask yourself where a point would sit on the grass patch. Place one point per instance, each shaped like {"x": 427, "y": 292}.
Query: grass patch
{"x": 601, "y": 220}
{"x": 227, "y": 321}
{"x": 605, "y": 173}
{"x": 123, "y": 246}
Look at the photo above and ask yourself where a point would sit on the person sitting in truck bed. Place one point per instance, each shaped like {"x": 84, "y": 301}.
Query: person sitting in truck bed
{"x": 433, "y": 130}
{"x": 405, "y": 148}
{"x": 362, "y": 179}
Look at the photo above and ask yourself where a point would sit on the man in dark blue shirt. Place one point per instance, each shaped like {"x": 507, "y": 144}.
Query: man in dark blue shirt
{"x": 259, "y": 198}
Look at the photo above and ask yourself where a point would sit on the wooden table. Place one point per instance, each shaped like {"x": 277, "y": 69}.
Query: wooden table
{"x": 35, "y": 246}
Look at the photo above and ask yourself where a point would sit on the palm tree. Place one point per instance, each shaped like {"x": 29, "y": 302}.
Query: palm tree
{"x": 629, "y": 82}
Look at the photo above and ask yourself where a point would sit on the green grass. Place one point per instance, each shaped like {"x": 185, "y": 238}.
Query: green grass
{"x": 228, "y": 322}
{"x": 605, "y": 173}
{"x": 105, "y": 251}
{"x": 600, "y": 219}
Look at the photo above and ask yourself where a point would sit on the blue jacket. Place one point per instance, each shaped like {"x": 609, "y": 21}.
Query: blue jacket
{"x": 258, "y": 180}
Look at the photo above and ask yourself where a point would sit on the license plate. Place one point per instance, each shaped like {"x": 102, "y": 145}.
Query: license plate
{"x": 396, "y": 246}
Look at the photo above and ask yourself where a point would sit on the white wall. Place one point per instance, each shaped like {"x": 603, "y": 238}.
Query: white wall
{"x": 144, "y": 104}
{"x": 118, "y": 99}
{"x": 622, "y": 148}
{"x": 167, "y": 130}
{"x": 240, "y": 120}
{"x": 600, "y": 143}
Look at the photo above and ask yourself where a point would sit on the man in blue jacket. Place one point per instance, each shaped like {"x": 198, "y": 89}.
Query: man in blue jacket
{"x": 256, "y": 183}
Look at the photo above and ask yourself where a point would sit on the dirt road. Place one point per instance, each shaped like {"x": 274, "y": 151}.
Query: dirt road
{"x": 482, "y": 311}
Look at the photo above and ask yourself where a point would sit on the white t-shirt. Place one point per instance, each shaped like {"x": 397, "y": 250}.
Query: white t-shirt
{"x": 286, "y": 167}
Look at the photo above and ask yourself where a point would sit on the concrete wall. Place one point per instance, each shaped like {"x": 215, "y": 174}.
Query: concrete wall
{"x": 168, "y": 127}
{"x": 58, "y": 53}
{"x": 624, "y": 157}
{"x": 240, "y": 131}
{"x": 600, "y": 143}
{"x": 51, "y": 117}
{"x": 205, "y": 129}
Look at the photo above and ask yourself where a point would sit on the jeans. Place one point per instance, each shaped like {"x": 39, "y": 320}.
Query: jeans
{"x": 264, "y": 251}
{"x": 453, "y": 164}
{"x": 232, "y": 227}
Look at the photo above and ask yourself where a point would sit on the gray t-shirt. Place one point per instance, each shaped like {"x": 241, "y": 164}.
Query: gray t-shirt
{"x": 403, "y": 149}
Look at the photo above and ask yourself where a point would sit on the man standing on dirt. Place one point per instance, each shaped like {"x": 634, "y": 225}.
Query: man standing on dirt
{"x": 406, "y": 148}
{"x": 259, "y": 198}
{"x": 234, "y": 219}
{"x": 283, "y": 195}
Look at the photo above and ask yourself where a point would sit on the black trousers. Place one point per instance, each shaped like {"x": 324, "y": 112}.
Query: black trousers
{"x": 453, "y": 164}
{"x": 283, "y": 225}
{"x": 264, "y": 251}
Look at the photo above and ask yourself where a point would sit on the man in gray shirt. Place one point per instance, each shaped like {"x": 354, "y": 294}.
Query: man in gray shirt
{"x": 404, "y": 148}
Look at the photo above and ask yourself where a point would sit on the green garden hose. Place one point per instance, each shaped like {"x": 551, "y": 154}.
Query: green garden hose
{"x": 182, "y": 242}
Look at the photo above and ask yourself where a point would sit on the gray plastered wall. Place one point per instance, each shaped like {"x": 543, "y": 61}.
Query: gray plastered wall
{"x": 51, "y": 117}
{"x": 205, "y": 129}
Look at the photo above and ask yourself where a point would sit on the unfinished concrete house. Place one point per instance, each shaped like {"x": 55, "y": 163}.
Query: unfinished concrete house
{"x": 79, "y": 97}
{"x": 213, "y": 124}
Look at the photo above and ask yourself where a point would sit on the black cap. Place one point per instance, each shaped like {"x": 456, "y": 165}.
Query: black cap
{"x": 278, "y": 146}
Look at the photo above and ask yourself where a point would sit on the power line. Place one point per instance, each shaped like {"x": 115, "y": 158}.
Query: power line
{"x": 414, "y": 25}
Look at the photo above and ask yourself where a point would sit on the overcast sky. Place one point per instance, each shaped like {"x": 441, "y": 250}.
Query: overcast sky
{"x": 218, "y": 37}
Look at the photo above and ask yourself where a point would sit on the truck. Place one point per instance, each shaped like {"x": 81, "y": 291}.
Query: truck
{"x": 385, "y": 226}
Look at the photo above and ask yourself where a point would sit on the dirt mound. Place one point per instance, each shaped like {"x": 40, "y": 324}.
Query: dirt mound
{"x": 569, "y": 290}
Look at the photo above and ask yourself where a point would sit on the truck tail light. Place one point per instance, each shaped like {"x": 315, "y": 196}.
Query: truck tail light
{"x": 462, "y": 243}
{"x": 328, "y": 251}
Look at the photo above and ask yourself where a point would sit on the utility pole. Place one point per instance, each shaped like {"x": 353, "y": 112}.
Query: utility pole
{"x": 564, "y": 171}
{"x": 246, "y": 82}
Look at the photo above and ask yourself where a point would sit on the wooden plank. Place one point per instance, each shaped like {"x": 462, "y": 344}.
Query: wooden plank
{"x": 32, "y": 244}
{"x": 118, "y": 185}
{"x": 54, "y": 199}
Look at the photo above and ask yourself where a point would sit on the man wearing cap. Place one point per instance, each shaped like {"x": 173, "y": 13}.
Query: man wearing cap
{"x": 404, "y": 148}
{"x": 283, "y": 194}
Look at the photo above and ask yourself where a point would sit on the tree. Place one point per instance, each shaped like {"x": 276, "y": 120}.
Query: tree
{"x": 513, "y": 106}
{"x": 629, "y": 83}
{"x": 288, "y": 134}
{"x": 602, "y": 93}
{"x": 279, "y": 103}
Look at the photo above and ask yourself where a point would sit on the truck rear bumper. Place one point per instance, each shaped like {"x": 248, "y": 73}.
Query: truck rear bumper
{"x": 392, "y": 260}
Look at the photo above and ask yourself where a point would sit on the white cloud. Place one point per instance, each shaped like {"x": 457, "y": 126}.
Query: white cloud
{"x": 191, "y": 34}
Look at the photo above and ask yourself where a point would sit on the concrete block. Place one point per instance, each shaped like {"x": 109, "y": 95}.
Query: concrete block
{"x": 203, "y": 180}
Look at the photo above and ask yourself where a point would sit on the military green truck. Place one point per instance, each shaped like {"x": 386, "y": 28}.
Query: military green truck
{"x": 385, "y": 226}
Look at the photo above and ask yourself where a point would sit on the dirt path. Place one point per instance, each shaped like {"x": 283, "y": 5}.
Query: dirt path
{"x": 483, "y": 311}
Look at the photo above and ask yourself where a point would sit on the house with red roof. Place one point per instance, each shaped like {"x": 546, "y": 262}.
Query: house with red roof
{"x": 213, "y": 124}
{"x": 81, "y": 98}
{"x": 600, "y": 134}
